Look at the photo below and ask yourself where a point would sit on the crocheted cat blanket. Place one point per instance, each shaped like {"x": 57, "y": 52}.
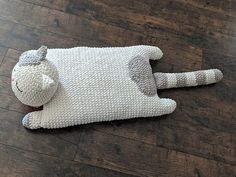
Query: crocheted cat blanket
{"x": 83, "y": 85}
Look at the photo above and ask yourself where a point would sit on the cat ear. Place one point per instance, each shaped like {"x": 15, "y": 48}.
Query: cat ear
{"x": 47, "y": 82}
{"x": 33, "y": 56}
{"x": 42, "y": 52}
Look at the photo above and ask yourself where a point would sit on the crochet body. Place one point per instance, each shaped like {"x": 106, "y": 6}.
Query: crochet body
{"x": 94, "y": 85}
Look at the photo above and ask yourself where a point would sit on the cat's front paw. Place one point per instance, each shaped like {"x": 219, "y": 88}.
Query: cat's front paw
{"x": 27, "y": 122}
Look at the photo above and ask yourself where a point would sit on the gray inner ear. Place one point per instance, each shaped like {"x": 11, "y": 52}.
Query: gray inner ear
{"x": 42, "y": 52}
{"x": 33, "y": 57}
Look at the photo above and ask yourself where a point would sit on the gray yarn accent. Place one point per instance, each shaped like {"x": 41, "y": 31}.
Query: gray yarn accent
{"x": 140, "y": 72}
{"x": 200, "y": 77}
{"x": 32, "y": 57}
{"x": 161, "y": 80}
{"x": 218, "y": 75}
{"x": 27, "y": 122}
{"x": 181, "y": 79}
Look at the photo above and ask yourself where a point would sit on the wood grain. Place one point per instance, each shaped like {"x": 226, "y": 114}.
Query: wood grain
{"x": 198, "y": 139}
{"x": 21, "y": 37}
{"x": 21, "y": 163}
{"x": 2, "y": 53}
{"x": 110, "y": 35}
{"x": 13, "y": 134}
{"x": 119, "y": 153}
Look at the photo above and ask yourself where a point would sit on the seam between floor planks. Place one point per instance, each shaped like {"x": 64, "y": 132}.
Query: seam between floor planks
{"x": 12, "y": 110}
{"x": 193, "y": 4}
{"x": 26, "y": 150}
{"x": 205, "y": 7}
{"x": 66, "y": 160}
{"x": 35, "y": 28}
{"x": 130, "y": 139}
{"x": 180, "y": 1}
{"x": 40, "y": 5}
{"x": 4, "y": 55}
{"x": 185, "y": 36}
{"x": 168, "y": 148}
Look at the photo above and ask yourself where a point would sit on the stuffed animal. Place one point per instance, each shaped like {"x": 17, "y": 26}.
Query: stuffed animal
{"x": 83, "y": 85}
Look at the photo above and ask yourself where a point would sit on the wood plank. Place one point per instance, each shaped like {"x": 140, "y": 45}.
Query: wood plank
{"x": 217, "y": 115}
{"x": 205, "y": 22}
{"x": 68, "y": 24}
{"x": 180, "y": 131}
{"x": 7, "y": 66}
{"x": 20, "y": 163}
{"x": 181, "y": 13}
{"x": 12, "y": 133}
{"x": 57, "y": 5}
{"x": 12, "y": 53}
{"x": 22, "y": 38}
{"x": 218, "y": 60}
{"x": 10, "y": 102}
{"x": 154, "y": 17}
{"x": 222, "y": 7}
{"x": 5, "y": 85}
{"x": 97, "y": 32}
{"x": 128, "y": 156}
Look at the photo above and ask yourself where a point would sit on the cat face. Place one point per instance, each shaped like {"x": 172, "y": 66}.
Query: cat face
{"x": 34, "y": 78}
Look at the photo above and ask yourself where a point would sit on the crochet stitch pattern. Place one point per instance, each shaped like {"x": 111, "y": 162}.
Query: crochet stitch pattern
{"x": 83, "y": 85}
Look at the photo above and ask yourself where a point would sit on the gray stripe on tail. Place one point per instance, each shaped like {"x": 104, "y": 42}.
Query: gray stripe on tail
{"x": 181, "y": 79}
{"x": 161, "y": 80}
{"x": 200, "y": 77}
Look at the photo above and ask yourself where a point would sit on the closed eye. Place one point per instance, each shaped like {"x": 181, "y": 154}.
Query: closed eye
{"x": 18, "y": 87}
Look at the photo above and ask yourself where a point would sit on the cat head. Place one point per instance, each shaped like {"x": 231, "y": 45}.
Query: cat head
{"x": 34, "y": 78}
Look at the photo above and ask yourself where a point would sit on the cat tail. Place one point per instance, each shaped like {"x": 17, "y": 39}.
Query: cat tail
{"x": 187, "y": 79}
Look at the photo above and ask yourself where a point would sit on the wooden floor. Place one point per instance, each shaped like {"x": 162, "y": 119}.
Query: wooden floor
{"x": 197, "y": 140}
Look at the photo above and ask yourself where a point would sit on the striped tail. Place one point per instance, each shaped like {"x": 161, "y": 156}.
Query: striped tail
{"x": 187, "y": 79}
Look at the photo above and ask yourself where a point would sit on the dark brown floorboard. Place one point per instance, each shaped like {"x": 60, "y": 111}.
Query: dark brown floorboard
{"x": 197, "y": 140}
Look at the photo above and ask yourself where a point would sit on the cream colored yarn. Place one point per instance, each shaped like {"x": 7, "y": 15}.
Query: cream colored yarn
{"x": 94, "y": 85}
{"x": 34, "y": 79}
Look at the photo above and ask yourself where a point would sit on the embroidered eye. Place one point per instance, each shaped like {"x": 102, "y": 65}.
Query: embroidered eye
{"x": 18, "y": 87}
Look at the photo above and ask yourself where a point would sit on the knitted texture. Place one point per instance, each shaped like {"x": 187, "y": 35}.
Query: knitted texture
{"x": 140, "y": 71}
{"x": 95, "y": 84}
{"x": 33, "y": 56}
{"x": 34, "y": 85}
{"x": 187, "y": 79}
